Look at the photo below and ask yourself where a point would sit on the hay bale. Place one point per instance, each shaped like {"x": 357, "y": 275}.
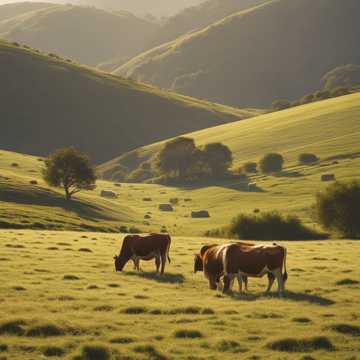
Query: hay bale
{"x": 252, "y": 186}
{"x": 108, "y": 194}
{"x": 328, "y": 177}
{"x": 166, "y": 207}
{"x": 147, "y": 199}
{"x": 187, "y": 199}
{"x": 200, "y": 214}
{"x": 33, "y": 182}
{"x": 117, "y": 184}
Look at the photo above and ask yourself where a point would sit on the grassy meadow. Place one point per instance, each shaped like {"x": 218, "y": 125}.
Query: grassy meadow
{"x": 59, "y": 293}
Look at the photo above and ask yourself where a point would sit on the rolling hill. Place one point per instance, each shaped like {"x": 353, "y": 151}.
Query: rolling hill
{"x": 251, "y": 58}
{"x": 197, "y": 17}
{"x": 84, "y": 34}
{"x": 330, "y": 129}
{"x": 10, "y": 10}
{"x": 48, "y": 103}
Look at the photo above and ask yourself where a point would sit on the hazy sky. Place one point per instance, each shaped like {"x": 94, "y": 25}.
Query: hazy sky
{"x": 156, "y": 7}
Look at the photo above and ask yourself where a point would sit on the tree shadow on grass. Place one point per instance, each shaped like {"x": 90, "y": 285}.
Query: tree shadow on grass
{"x": 288, "y": 295}
{"x": 292, "y": 174}
{"x": 47, "y": 197}
{"x": 165, "y": 278}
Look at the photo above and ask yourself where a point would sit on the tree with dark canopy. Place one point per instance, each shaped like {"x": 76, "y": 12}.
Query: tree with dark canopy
{"x": 71, "y": 169}
{"x": 176, "y": 156}
{"x": 271, "y": 163}
{"x": 218, "y": 158}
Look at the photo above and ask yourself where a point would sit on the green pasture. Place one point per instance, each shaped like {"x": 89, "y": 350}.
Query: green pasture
{"x": 59, "y": 292}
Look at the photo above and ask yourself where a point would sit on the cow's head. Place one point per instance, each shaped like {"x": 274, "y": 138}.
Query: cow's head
{"x": 198, "y": 263}
{"x": 119, "y": 262}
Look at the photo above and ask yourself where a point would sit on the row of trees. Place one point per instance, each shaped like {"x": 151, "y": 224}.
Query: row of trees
{"x": 180, "y": 158}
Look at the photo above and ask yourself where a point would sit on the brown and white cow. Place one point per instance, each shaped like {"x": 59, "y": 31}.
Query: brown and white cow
{"x": 136, "y": 248}
{"x": 255, "y": 261}
{"x": 210, "y": 261}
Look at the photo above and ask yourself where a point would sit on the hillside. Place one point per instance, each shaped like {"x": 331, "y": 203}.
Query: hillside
{"x": 101, "y": 114}
{"x": 328, "y": 128}
{"x": 10, "y": 10}
{"x": 157, "y": 8}
{"x": 197, "y": 17}
{"x": 277, "y": 50}
{"x": 86, "y": 35}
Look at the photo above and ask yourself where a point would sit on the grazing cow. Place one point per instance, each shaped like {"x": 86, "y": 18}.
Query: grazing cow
{"x": 136, "y": 248}
{"x": 213, "y": 268}
{"x": 255, "y": 261}
{"x": 210, "y": 261}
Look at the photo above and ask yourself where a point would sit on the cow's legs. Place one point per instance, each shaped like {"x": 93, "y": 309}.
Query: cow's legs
{"x": 228, "y": 278}
{"x": 240, "y": 279}
{"x": 271, "y": 279}
{"x": 136, "y": 262}
{"x": 279, "y": 278}
{"x": 218, "y": 284}
{"x": 213, "y": 283}
{"x": 157, "y": 263}
{"x": 163, "y": 262}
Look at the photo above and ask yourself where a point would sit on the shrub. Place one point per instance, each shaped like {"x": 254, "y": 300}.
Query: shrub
{"x": 46, "y": 330}
{"x": 307, "y": 158}
{"x": 188, "y": 334}
{"x": 338, "y": 208}
{"x": 33, "y": 182}
{"x": 302, "y": 345}
{"x": 95, "y": 352}
{"x": 281, "y": 104}
{"x": 271, "y": 226}
{"x": 270, "y": 163}
{"x": 250, "y": 167}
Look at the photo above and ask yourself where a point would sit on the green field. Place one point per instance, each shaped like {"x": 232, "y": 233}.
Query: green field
{"x": 329, "y": 129}
{"x": 59, "y": 292}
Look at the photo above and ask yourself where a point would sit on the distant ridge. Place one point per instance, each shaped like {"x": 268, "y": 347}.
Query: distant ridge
{"x": 47, "y": 103}
{"x": 273, "y": 51}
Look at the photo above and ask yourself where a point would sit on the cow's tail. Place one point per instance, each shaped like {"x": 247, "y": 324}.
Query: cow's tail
{"x": 285, "y": 275}
{"x": 168, "y": 249}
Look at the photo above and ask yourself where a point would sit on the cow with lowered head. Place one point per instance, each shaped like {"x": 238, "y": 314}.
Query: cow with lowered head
{"x": 136, "y": 248}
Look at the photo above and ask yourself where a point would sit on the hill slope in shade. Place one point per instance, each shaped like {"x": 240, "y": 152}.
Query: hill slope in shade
{"x": 327, "y": 128}
{"x": 278, "y": 50}
{"x": 87, "y": 35}
{"x": 197, "y": 17}
{"x": 10, "y": 10}
{"x": 48, "y": 103}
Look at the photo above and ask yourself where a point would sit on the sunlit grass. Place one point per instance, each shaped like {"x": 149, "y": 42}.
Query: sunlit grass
{"x": 73, "y": 303}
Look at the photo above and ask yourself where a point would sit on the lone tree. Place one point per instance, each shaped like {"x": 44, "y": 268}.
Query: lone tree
{"x": 218, "y": 158}
{"x": 71, "y": 169}
{"x": 338, "y": 208}
{"x": 176, "y": 156}
{"x": 271, "y": 163}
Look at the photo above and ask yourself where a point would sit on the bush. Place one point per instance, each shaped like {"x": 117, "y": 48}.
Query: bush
{"x": 338, "y": 208}
{"x": 307, "y": 158}
{"x": 270, "y": 163}
{"x": 271, "y": 226}
{"x": 281, "y": 104}
{"x": 95, "y": 352}
{"x": 250, "y": 167}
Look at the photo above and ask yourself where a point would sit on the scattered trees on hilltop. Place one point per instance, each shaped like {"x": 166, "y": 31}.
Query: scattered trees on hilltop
{"x": 71, "y": 169}
{"x": 271, "y": 163}
{"x": 181, "y": 159}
